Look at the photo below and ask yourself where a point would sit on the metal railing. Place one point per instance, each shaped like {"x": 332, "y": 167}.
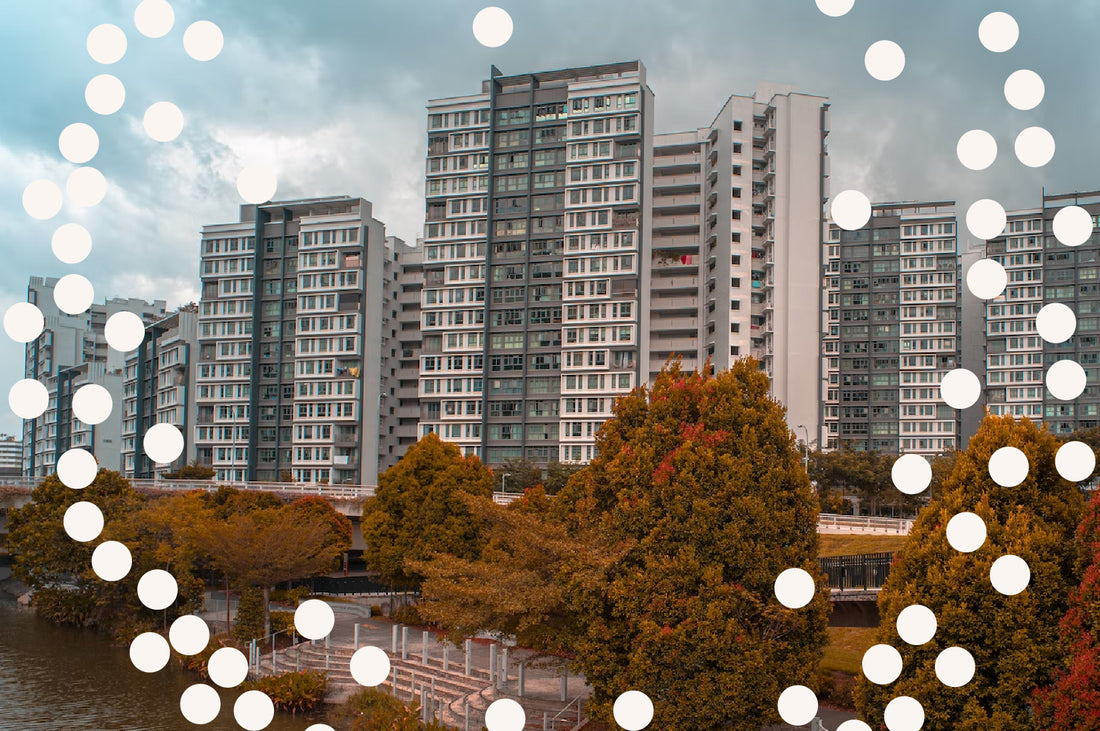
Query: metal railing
{"x": 865, "y": 522}
{"x": 862, "y": 571}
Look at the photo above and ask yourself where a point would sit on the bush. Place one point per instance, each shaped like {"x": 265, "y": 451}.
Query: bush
{"x": 375, "y": 710}
{"x": 835, "y": 689}
{"x": 375, "y": 610}
{"x": 298, "y": 691}
{"x": 293, "y": 597}
{"x": 407, "y": 614}
{"x": 281, "y": 621}
{"x": 250, "y": 615}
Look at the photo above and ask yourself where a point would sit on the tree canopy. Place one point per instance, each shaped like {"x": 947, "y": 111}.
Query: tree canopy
{"x": 419, "y": 510}
{"x": 1012, "y": 638}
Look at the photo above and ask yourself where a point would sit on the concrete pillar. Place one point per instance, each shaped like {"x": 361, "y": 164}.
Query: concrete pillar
{"x": 356, "y": 635}
{"x": 545, "y": 721}
{"x": 424, "y": 648}
{"x": 469, "y": 647}
{"x": 466, "y": 713}
{"x": 446, "y": 657}
{"x": 424, "y": 702}
{"x": 404, "y": 643}
{"x": 521, "y": 680}
{"x": 395, "y": 639}
{"x": 564, "y": 687}
{"x": 504, "y": 667}
{"x": 493, "y": 664}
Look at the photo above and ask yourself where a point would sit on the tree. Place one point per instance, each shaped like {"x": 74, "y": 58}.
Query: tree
{"x": 699, "y": 492}
{"x": 1012, "y": 638}
{"x": 557, "y": 476}
{"x": 865, "y": 474}
{"x": 418, "y": 510}
{"x": 193, "y": 471}
{"x": 1072, "y": 702}
{"x": 523, "y": 474}
{"x": 268, "y": 546}
{"x": 339, "y": 531}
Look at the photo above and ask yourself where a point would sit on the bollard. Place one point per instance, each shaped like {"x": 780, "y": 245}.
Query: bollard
{"x": 469, "y": 655}
{"x": 395, "y": 639}
{"x": 356, "y": 635}
{"x": 564, "y": 687}
{"x": 446, "y": 657}
{"x": 424, "y": 703}
{"x": 545, "y": 722}
{"x": 412, "y": 685}
{"x": 326, "y": 642}
{"x": 467, "y": 715}
{"x": 493, "y": 664}
{"x": 273, "y": 651}
{"x": 503, "y": 668}
{"x": 404, "y": 643}
{"x": 521, "y": 680}
{"x": 298, "y": 663}
{"x": 424, "y": 648}
{"x": 394, "y": 686}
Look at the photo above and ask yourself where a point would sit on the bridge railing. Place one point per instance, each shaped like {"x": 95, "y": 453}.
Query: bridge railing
{"x": 863, "y": 571}
{"x": 870, "y": 523}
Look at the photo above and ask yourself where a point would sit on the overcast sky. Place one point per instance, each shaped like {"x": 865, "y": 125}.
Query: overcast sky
{"x": 331, "y": 94}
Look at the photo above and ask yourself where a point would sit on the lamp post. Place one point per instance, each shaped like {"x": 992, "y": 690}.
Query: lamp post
{"x": 805, "y": 447}
{"x": 502, "y": 477}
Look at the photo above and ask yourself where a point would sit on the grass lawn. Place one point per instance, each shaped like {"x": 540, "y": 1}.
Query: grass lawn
{"x": 844, "y": 545}
{"x": 846, "y": 647}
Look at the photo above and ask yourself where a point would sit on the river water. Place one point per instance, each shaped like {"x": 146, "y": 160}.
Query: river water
{"x": 62, "y": 678}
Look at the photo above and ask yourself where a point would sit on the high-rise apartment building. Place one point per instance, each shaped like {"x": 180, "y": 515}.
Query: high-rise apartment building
{"x": 72, "y": 351}
{"x": 533, "y": 317}
{"x": 569, "y": 252}
{"x": 11, "y": 456}
{"x": 400, "y": 406}
{"x": 891, "y": 320}
{"x": 159, "y": 388}
{"x": 291, "y": 357}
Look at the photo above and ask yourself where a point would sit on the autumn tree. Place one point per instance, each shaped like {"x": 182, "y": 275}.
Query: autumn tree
{"x": 418, "y": 510}
{"x": 699, "y": 493}
{"x": 339, "y": 530}
{"x": 268, "y": 546}
{"x": 521, "y": 475}
{"x": 1072, "y": 702}
{"x": 1013, "y": 639}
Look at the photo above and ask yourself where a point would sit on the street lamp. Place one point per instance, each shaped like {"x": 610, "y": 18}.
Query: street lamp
{"x": 805, "y": 446}
{"x": 506, "y": 474}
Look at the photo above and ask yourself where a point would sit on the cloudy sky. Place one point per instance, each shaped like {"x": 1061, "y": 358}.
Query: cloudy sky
{"x": 331, "y": 94}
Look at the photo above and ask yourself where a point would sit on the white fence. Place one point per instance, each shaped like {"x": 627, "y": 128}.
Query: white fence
{"x": 833, "y": 523}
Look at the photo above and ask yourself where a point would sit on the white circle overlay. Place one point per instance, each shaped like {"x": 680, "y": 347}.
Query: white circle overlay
{"x": 149, "y": 652}
{"x": 78, "y": 143}
{"x": 227, "y": 667}
{"x": 1072, "y": 225}
{"x": 911, "y": 474}
{"x": 253, "y": 710}
{"x": 1066, "y": 380}
{"x": 105, "y": 94}
{"x": 904, "y": 713}
{"x": 853, "y": 724}
{"x": 314, "y": 619}
{"x": 884, "y": 60}
{"x": 998, "y": 32}
{"x": 916, "y": 624}
{"x": 492, "y": 28}
{"x": 850, "y": 209}
{"x": 42, "y": 199}
{"x": 92, "y": 404}
{"x": 154, "y": 18}
{"x": 1034, "y": 147}
{"x": 976, "y": 149}
{"x": 960, "y": 388}
{"x": 1075, "y": 461}
{"x": 71, "y": 243}
{"x": 111, "y": 561}
{"x": 955, "y": 667}
{"x": 504, "y": 714}
{"x": 106, "y": 44}
{"x": 257, "y": 183}
{"x": 73, "y": 294}
{"x": 986, "y": 219}
{"x": 163, "y": 443}
{"x": 203, "y": 40}
{"x": 797, "y": 705}
{"x": 794, "y": 588}
{"x": 1024, "y": 89}
{"x": 189, "y": 634}
{"x": 882, "y": 664}
{"x": 1056, "y": 323}
{"x": 163, "y": 121}
{"x": 23, "y": 322}
{"x": 1010, "y": 575}
{"x": 28, "y": 398}
{"x": 83, "y": 521}
{"x": 633, "y": 710}
{"x": 966, "y": 532}
{"x": 200, "y": 704}
{"x": 1008, "y": 466}
{"x": 157, "y": 589}
{"x": 370, "y": 666}
{"x": 835, "y": 8}
{"x": 77, "y": 468}
{"x": 86, "y": 187}
{"x": 986, "y": 279}
{"x": 124, "y": 331}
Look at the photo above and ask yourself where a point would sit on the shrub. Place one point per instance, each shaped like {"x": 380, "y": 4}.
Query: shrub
{"x": 250, "y": 615}
{"x": 407, "y": 614}
{"x": 293, "y": 596}
{"x": 281, "y": 621}
{"x": 375, "y": 610}
{"x": 374, "y": 710}
{"x": 297, "y": 691}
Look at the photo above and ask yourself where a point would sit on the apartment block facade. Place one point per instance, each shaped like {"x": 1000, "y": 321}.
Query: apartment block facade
{"x": 72, "y": 351}
{"x": 158, "y": 387}
{"x": 291, "y": 350}
{"x": 891, "y": 316}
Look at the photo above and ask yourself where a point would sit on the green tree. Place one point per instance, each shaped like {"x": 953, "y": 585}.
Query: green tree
{"x": 700, "y": 493}
{"x": 193, "y": 471}
{"x": 557, "y": 476}
{"x": 1013, "y": 639}
{"x": 1072, "y": 702}
{"x": 523, "y": 474}
{"x": 418, "y": 510}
